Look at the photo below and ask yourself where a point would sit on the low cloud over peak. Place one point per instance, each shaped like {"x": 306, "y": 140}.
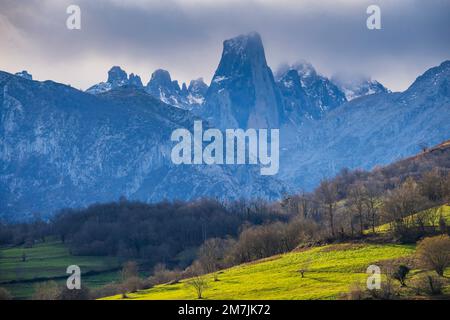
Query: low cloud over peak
{"x": 185, "y": 37}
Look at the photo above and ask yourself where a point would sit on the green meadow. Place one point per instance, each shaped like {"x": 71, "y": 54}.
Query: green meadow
{"x": 442, "y": 211}
{"x": 49, "y": 261}
{"x": 332, "y": 270}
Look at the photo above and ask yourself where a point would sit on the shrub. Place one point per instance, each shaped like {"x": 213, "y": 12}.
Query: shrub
{"x": 132, "y": 284}
{"x": 4, "y": 294}
{"x": 199, "y": 284}
{"x": 163, "y": 275}
{"x": 76, "y": 294}
{"x": 46, "y": 291}
{"x": 129, "y": 270}
{"x": 429, "y": 285}
{"x": 387, "y": 290}
{"x": 109, "y": 289}
{"x": 434, "y": 253}
{"x": 400, "y": 274}
{"x": 356, "y": 292}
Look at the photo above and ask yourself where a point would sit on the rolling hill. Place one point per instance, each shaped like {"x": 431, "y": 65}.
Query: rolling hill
{"x": 48, "y": 261}
{"x": 332, "y": 270}
{"x": 433, "y": 219}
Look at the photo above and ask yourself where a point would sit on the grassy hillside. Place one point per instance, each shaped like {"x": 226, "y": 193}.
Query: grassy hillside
{"x": 49, "y": 260}
{"x": 332, "y": 270}
{"x": 443, "y": 211}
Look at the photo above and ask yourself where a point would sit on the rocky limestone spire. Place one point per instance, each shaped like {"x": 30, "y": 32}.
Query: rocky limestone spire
{"x": 117, "y": 76}
{"x": 243, "y": 91}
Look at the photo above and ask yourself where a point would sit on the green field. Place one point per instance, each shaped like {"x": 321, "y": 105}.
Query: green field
{"x": 443, "y": 211}
{"x": 49, "y": 260}
{"x": 333, "y": 269}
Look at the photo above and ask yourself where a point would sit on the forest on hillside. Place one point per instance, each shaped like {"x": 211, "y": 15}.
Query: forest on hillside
{"x": 176, "y": 239}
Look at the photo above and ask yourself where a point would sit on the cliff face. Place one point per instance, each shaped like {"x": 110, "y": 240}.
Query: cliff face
{"x": 64, "y": 148}
{"x": 60, "y": 147}
{"x": 373, "y": 130}
{"x": 243, "y": 92}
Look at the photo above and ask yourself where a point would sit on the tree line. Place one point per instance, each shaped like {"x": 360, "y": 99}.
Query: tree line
{"x": 186, "y": 239}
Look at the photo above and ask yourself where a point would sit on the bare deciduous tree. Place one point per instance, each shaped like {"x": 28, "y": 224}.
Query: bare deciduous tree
{"x": 211, "y": 255}
{"x": 433, "y": 185}
{"x": 129, "y": 270}
{"x": 372, "y": 202}
{"x": 434, "y": 253}
{"x": 401, "y": 203}
{"x": 5, "y": 294}
{"x": 46, "y": 291}
{"x": 357, "y": 198}
{"x": 304, "y": 267}
{"x": 199, "y": 284}
{"x": 327, "y": 195}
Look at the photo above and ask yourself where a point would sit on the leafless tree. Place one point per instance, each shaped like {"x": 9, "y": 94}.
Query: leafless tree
{"x": 199, "y": 284}
{"x": 432, "y": 185}
{"x": 211, "y": 255}
{"x": 372, "y": 203}
{"x": 46, "y": 291}
{"x": 434, "y": 253}
{"x": 298, "y": 204}
{"x": 357, "y": 201}
{"x": 5, "y": 294}
{"x": 129, "y": 270}
{"x": 304, "y": 267}
{"x": 327, "y": 195}
{"x": 400, "y": 203}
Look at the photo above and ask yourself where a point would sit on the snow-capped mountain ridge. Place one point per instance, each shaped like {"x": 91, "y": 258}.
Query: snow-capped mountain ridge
{"x": 160, "y": 85}
{"x": 116, "y": 78}
{"x": 62, "y": 147}
{"x": 307, "y": 93}
{"x": 24, "y": 74}
{"x": 66, "y": 148}
{"x": 358, "y": 86}
{"x": 245, "y": 53}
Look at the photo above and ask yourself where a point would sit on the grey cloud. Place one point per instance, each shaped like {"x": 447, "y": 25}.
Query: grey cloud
{"x": 186, "y": 38}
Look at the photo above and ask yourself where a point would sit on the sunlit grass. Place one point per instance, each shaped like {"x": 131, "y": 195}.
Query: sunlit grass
{"x": 332, "y": 270}
{"x": 443, "y": 210}
{"x": 48, "y": 260}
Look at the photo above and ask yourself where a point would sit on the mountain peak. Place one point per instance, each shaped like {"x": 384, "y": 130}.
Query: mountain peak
{"x": 135, "y": 80}
{"x": 161, "y": 79}
{"x": 243, "y": 92}
{"x": 24, "y": 74}
{"x": 243, "y": 40}
{"x": 246, "y": 45}
{"x": 304, "y": 68}
{"x": 161, "y": 76}
{"x": 116, "y": 75}
{"x": 355, "y": 86}
{"x": 434, "y": 80}
{"x": 198, "y": 85}
{"x": 162, "y": 87}
{"x": 307, "y": 93}
{"x": 240, "y": 55}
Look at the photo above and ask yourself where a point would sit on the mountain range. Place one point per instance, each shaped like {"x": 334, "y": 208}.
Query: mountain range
{"x": 62, "y": 147}
{"x": 160, "y": 86}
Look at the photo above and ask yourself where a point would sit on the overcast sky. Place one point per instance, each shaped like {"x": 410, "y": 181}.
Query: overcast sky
{"x": 185, "y": 37}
